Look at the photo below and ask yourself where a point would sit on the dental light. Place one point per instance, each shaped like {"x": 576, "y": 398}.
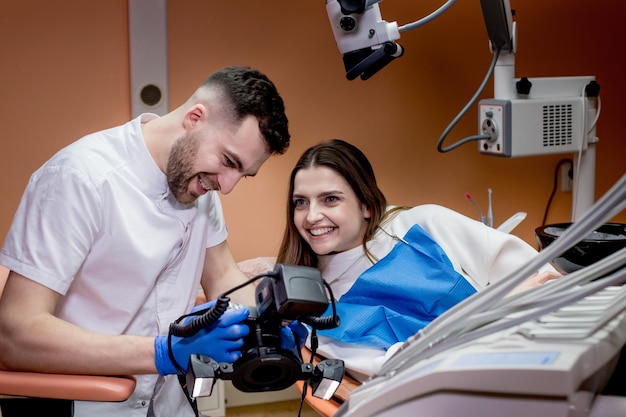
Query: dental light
{"x": 366, "y": 41}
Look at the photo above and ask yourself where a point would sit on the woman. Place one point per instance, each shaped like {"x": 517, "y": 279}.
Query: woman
{"x": 393, "y": 269}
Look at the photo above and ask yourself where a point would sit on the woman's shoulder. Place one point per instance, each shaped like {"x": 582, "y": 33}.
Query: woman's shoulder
{"x": 425, "y": 212}
{"x": 433, "y": 218}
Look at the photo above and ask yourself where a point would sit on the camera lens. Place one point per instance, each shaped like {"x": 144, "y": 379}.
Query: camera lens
{"x": 266, "y": 374}
{"x": 266, "y": 369}
{"x": 347, "y": 23}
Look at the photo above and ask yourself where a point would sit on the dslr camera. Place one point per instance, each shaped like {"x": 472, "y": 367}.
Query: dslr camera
{"x": 285, "y": 294}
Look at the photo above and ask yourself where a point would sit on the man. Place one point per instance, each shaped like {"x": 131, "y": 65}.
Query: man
{"x": 116, "y": 233}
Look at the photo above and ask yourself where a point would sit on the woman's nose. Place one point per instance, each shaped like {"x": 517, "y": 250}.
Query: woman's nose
{"x": 314, "y": 214}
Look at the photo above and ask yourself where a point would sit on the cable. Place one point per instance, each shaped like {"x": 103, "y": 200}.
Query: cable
{"x": 202, "y": 319}
{"x": 555, "y": 182}
{"x": 595, "y": 119}
{"x": 489, "y": 208}
{"x": 318, "y": 323}
{"x": 327, "y": 322}
{"x": 480, "y": 213}
{"x": 584, "y": 140}
{"x": 579, "y": 158}
{"x": 424, "y": 20}
{"x": 440, "y": 147}
{"x": 206, "y": 317}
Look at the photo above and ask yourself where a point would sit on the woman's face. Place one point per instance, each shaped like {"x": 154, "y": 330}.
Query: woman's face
{"x": 327, "y": 213}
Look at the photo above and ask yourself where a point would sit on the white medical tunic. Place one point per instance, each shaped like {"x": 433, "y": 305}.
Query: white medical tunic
{"x": 98, "y": 224}
{"x": 479, "y": 253}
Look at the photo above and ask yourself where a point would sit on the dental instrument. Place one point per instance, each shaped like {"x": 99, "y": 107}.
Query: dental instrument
{"x": 512, "y": 222}
{"x": 489, "y": 210}
{"x": 480, "y": 213}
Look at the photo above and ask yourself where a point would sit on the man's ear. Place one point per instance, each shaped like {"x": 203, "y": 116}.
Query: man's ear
{"x": 194, "y": 115}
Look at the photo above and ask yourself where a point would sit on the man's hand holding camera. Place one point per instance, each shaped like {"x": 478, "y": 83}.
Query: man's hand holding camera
{"x": 221, "y": 341}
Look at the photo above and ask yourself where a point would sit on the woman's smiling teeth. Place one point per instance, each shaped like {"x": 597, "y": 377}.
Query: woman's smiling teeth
{"x": 321, "y": 231}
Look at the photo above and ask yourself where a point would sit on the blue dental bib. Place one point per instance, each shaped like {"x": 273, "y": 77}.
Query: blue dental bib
{"x": 400, "y": 294}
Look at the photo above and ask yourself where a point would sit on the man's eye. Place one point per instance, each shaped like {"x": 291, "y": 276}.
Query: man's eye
{"x": 228, "y": 162}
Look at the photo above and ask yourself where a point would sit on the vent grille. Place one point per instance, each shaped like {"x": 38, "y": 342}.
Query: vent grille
{"x": 557, "y": 125}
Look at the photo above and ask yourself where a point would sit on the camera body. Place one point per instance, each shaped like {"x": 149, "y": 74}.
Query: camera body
{"x": 288, "y": 293}
{"x": 291, "y": 292}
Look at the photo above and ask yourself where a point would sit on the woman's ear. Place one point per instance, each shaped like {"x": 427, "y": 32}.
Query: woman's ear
{"x": 366, "y": 212}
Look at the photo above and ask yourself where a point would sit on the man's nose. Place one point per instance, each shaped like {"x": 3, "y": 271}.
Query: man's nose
{"x": 228, "y": 181}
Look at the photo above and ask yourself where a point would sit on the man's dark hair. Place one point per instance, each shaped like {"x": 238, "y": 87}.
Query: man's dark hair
{"x": 252, "y": 93}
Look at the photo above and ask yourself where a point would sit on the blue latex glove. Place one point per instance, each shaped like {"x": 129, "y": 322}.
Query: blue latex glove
{"x": 293, "y": 336}
{"x": 222, "y": 341}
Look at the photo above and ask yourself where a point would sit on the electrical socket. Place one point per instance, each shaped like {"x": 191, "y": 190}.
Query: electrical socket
{"x": 491, "y": 118}
{"x": 566, "y": 178}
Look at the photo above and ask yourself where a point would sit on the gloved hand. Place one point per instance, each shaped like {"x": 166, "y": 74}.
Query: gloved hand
{"x": 222, "y": 341}
{"x": 293, "y": 336}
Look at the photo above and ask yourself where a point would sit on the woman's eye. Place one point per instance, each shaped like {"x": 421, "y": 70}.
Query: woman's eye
{"x": 299, "y": 202}
{"x": 331, "y": 199}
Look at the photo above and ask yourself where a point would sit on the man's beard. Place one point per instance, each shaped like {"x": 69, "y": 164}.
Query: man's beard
{"x": 180, "y": 167}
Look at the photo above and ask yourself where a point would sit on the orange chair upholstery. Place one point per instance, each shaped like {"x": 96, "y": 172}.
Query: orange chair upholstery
{"x": 32, "y": 393}
{"x": 61, "y": 386}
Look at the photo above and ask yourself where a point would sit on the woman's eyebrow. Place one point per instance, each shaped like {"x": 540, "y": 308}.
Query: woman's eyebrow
{"x": 323, "y": 194}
